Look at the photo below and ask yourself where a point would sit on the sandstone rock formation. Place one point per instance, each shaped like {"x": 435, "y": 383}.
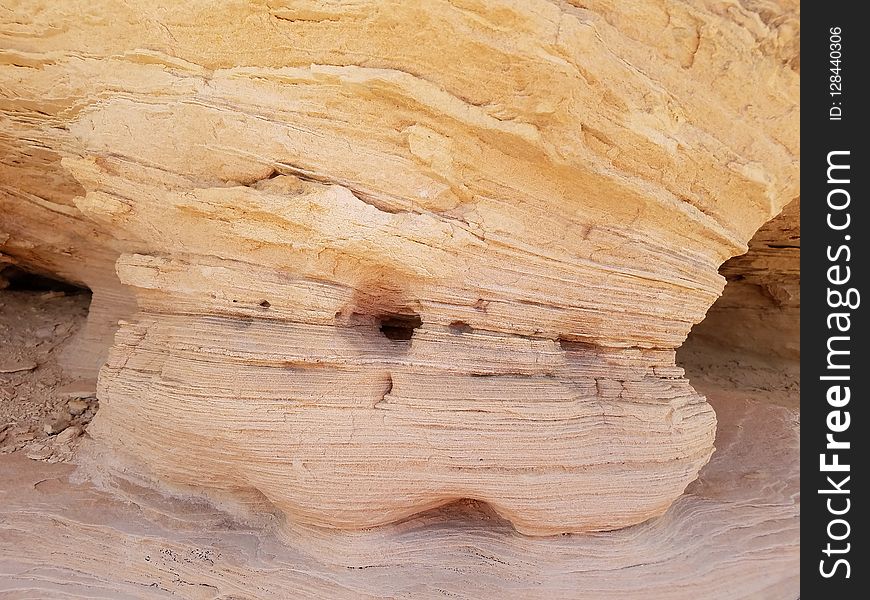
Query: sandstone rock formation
{"x": 734, "y": 534}
{"x": 388, "y": 255}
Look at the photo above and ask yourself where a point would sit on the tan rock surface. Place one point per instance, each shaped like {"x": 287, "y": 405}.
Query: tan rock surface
{"x": 538, "y": 196}
{"x": 735, "y": 534}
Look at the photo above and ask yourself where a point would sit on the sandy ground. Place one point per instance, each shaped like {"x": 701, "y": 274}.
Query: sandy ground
{"x": 42, "y": 411}
{"x": 773, "y": 379}
{"x": 65, "y": 534}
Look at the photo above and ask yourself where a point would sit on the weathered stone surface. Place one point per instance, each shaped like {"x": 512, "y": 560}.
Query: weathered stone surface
{"x": 734, "y": 534}
{"x": 536, "y": 194}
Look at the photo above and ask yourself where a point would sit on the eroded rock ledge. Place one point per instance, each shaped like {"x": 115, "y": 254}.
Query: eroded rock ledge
{"x": 377, "y": 270}
{"x": 759, "y": 311}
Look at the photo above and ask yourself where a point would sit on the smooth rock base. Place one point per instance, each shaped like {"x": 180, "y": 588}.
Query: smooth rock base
{"x": 734, "y": 534}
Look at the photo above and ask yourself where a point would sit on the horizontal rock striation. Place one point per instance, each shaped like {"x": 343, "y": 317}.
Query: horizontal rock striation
{"x": 735, "y": 533}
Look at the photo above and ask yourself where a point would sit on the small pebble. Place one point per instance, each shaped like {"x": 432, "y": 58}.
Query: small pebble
{"x": 69, "y": 434}
{"x": 16, "y": 366}
{"x": 38, "y": 452}
{"x": 77, "y": 406}
{"x": 82, "y": 389}
{"x": 44, "y": 332}
{"x": 56, "y": 425}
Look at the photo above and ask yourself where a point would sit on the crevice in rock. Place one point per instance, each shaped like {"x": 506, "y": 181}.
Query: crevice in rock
{"x": 399, "y": 327}
{"x": 25, "y": 281}
{"x": 460, "y": 327}
{"x": 388, "y": 387}
{"x": 751, "y": 335}
{"x": 575, "y": 346}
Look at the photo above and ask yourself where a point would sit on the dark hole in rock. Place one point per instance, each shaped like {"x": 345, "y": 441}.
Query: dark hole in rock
{"x": 458, "y": 327}
{"x": 400, "y": 327}
{"x": 265, "y": 304}
{"x": 18, "y": 280}
{"x": 575, "y": 346}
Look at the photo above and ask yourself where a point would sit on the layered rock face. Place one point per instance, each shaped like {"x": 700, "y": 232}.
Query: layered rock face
{"x": 386, "y": 255}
